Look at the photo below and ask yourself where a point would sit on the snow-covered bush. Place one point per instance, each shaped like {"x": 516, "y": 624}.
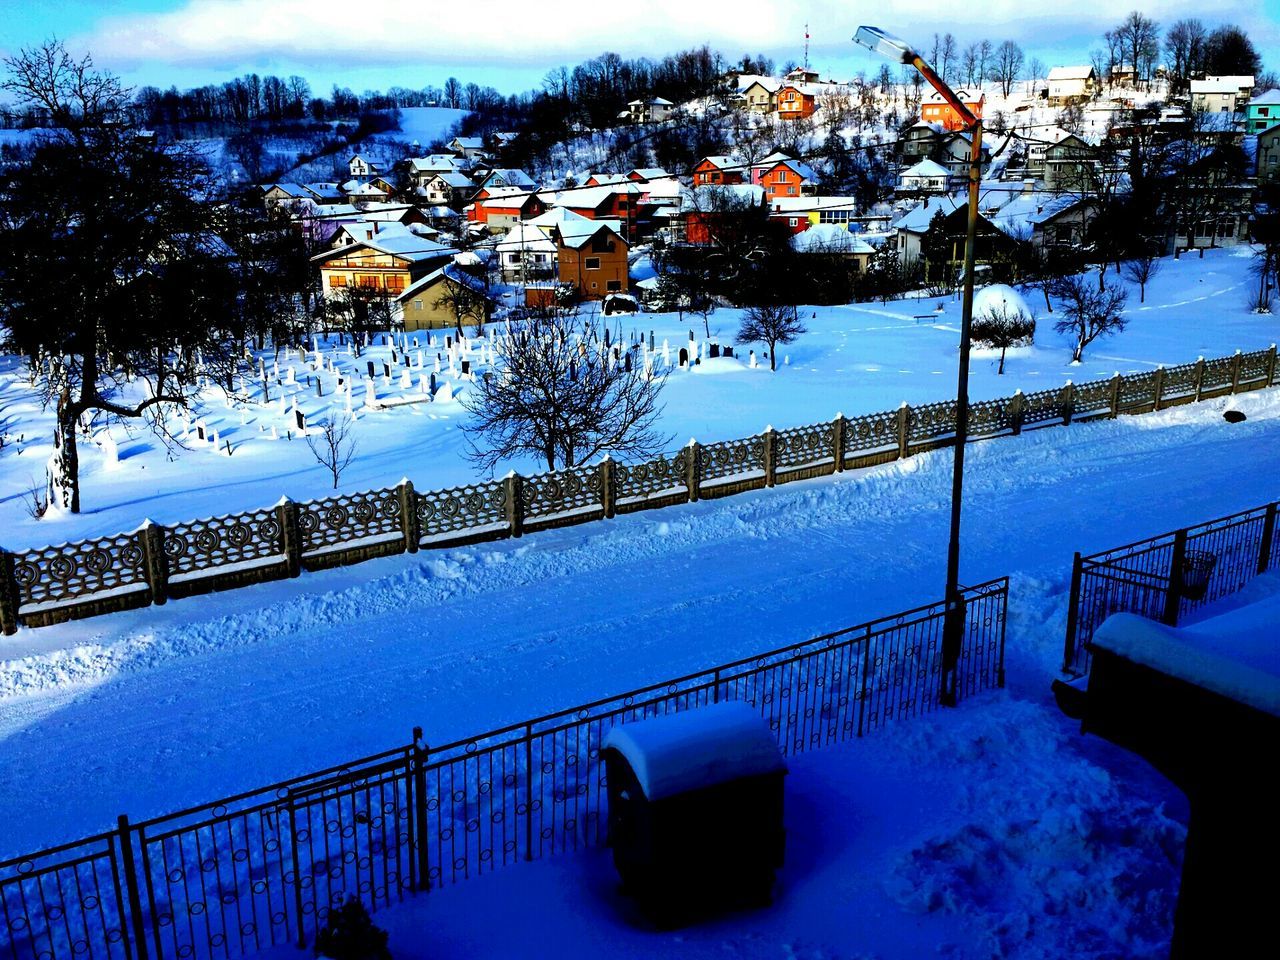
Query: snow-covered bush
{"x": 1002, "y": 319}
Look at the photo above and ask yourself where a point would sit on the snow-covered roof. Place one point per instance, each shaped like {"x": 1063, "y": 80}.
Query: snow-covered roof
{"x": 588, "y": 198}
{"x": 353, "y": 189}
{"x": 506, "y": 196}
{"x": 829, "y": 238}
{"x": 693, "y": 749}
{"x": 1240, "y": 80}
{"x": 510, "y": 177}
{"x": 917, "y": 219}
{"x": 435, "y": 163}
{"x": 721, "y": 161}
{"x": 577, "y": 233}
{"x": 1268, "y": 98}
{"x": 467, "y": 143}
{"x": 926, "y": 168}
{"x": 1216, "y": 85}
{"x": 526, "y": 235}
{"x": 1083, "y": 72}
{"x": 803, "y": 170}
{"x": 649, "y": 173}
{"x": 963, "y": 95}
{"x": 605, "y": 179}
{"x": 448, "y": 271}
{"x": 554, "y": 216}
{"x": 806, "y": 204}
{"x": 396, "y": 243}
{"x": 1234, "y": 654}
{"x": 748, "y": 80}
{"x": 459, "y": 181}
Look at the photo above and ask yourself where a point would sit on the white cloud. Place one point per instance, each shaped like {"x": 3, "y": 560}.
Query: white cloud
{"x": 338, "y": 33}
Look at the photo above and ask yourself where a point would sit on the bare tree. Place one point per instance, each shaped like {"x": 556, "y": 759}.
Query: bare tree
{"x": 1089, "y": 313}
{"x": 1003, "y": 325}
{"x": 1140, "y": 269}
{"x": 771, "y": 324}
{"x": 333, "y": 444}
{"x": 1138, "y": 38}
{"x": 562, "y": 395}
{"x": 1184, "y": 47}
{"x": 1006, "y": 66}
{"x": 464, "y": 301}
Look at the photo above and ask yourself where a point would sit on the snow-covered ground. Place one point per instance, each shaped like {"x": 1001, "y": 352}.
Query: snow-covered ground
{"x": 858, "y": 358}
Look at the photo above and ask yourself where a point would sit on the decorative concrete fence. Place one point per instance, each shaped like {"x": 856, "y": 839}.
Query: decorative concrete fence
{"x": 153, "y": 564}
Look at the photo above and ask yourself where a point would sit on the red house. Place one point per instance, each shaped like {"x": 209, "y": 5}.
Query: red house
{"x": 796, "y": 100}
{"x": 935, "y": 109}
{"x": 616, "y": 201}
{"x": 500, "y": 208}
{"x": 718, "y": 169}
{"x": 708, "y": 212}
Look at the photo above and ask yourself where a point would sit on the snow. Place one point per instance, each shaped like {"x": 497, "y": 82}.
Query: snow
{"x": 697, "y": 748}
{"x": 427, "y": 124}
{"x": 1234, "y": 654}
{"x": 1000, "y": 296}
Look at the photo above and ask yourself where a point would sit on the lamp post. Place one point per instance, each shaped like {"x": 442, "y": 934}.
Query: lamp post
{"x": 890, "y": 47}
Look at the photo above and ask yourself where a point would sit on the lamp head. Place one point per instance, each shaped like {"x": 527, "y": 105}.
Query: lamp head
{"x": 885, "y": 44}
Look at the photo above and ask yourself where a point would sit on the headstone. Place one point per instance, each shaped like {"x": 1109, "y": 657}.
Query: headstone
{"x": 444, "y": 394}
{"x": 728, "y": 351}
{"x": 684, "y": 357}
{"x": 301, "y": 420}
{"x": 200, "y": 429}
{"x": 291, "y": 376}
{"x": 627, "y": 362}
{"x": 386, "y": 370}
{"x": 406, "y": 380}
{"x": 715, "y": 350}
{"x": 466, "y": 367}
{"x": 752, "y": 362}
{"x": 371, "y": 371}
{"x": 433, "y": 384}
{"x": 370, "y": 394}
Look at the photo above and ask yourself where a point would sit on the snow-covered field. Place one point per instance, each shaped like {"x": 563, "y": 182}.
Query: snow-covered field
{"x": 858, "y": 358}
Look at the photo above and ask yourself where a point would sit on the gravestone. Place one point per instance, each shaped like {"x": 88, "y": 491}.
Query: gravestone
{"x": 466, "y": 367}
{"x": 728, "y": 351}
{"x": 715, "y": 350}
{"x": 627, "y": 363}
{"x": 433, "y": 385}
{"x": 684, "y": 357}
{"x": 200, "y": 429}
{"x": 371, "y": 372}
{"x": 302, "y": 421}
{"x": 386, "y": 370}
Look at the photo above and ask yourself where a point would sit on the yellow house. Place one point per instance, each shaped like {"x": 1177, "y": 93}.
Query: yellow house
{"x": 433, "y": 302}
{"x": 391, "y": 260}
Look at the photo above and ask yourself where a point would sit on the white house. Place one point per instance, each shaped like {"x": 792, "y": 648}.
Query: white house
{"x": 1221, "y": 94}
{"x": 1071, "y": 85}
{"x": 361, "y": 167}
{"x": 527, "y": 252}
{"x": 924, "y": 177}
{"x": 653, "y": 110}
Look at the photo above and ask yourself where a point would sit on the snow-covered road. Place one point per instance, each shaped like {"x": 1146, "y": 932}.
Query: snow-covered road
{"x": 150, "y": 710}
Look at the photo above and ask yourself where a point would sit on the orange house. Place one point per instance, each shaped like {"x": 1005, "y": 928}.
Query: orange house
{"x": 718, "y": 169}
{"x": 608, "y": 202}
{"x": 591, "y": 256}
{"x": 796, "y": 101}
{"x": 503, "y": 207}
{"x": 788, "y": 178}
{"x": 935, "y": 109}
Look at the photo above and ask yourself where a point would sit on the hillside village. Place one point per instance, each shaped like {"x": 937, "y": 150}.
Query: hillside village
{"x": 1058, "y": 155}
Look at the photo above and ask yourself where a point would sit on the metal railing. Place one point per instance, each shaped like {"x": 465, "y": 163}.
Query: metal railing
{"x": 1167, "y": 577}
{"x": 44, "y": 585}
{"x": 226, "y": 879}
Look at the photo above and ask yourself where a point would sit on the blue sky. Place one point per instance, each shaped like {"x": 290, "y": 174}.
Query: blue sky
{"x": 511, "y": 44}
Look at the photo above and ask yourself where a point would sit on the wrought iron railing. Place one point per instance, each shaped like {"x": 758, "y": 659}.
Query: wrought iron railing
{"x": 1167, "y": 577}
{"x": 226, "y": 879}
{"x": 44, "y": 585}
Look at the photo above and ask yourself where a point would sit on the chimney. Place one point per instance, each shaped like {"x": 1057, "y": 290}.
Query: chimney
{"x": 1028, "y": 186}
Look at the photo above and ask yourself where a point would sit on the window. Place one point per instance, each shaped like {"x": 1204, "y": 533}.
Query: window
{"x": 613, "y": 286}
{"x": 791, "y": 191}
{"x": 338, "y": 280}
{"x": 417, "y": 304}
{"x": 792, "y": 221}
{"x": 782, "y": 176}
{"x": 601, "y": 244}
{"x": 366, "y": 280}
{"x": 395, "y": 282}
{"x": 593, "y": 263}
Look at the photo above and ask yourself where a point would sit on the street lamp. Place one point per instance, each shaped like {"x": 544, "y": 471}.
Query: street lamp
{"x": 892, "y": 48}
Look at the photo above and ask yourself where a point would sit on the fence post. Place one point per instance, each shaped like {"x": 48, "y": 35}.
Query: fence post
{"x": 1199, "y": 377}
{"x": 1116, "y": 382}
{"x": 420, "y": 808}
{"x": 1017, "y": 411}
{"x": 290, "y": 535}
{"x": 297, "y": 871}
{"x": 904, "y": 430}
{"x": 693, "y": 469}
{"x": 8, "y": 595}
{"x": 608, "y": 486}
{"x": 1235, "y": 372}
{"x": 138, "y": 928}
{"x": 838, "y": 441}
{"x": 1268, "y": 537}
{"x": 513, "y": 502}
{"x": 770, "y": 456}
{"x": 1073, "y": 616}
{"x": 409, "y": 515}
{"x": 1067, "y": 403}
{"x": 1271, "y": 365}
{"x": 1159, "y": 385}
{"x": 1173, "y": 598}
{"x": 528, "y": 791}
{"x": 154, "y": 560}
{"x": 866, "y": 673}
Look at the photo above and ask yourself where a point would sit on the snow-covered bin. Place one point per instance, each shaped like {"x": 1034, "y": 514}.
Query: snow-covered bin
{"x": 695, "y": 809}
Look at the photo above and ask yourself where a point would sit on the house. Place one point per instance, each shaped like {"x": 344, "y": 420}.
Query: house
{"x": 953, "y": 153}
{"x": 934, "y": 108}
{"x": 645, "y": 174}
{"x": 761, "y": 167}
{"x": 1267, "y": 162}
{"x": 355, "y": 231}
{"x": 796, "y": 101}
{"x": 617, "y": 201}
{"x": 1122, "y": 74}
{"x": 924, "y": 177}
{"x": 653, "y": 110}
{"x": 591, "y": 256}
{"x": 449, "y": 189}
{"x": 1221, "y": 94}
{"x": 467, "y": 147}
{"x": 703, "y": 209}
{"x": 358, "y": 192}
{"x": 605, "y": 179}
{"x": 360, "y": 167}
{"x": 832, "y": 240}
{"x": 788, "y": 178}
{"x": 1069, "y": 164}
{"x": 425, "y": 304}
{"x": 422, "y": 169}
{"x": 388, "y": 262}
{"x": 1263, "y": 111}
{"x": 506, "y": 177}
{"x": 1069, "y": 85}
{"x": 918, "y": 141}
{"x": 718, "y": 169}
{"x": 801, "y": 213}
{"x": 760, "y": 94}
{"x": 501, "y": 208}
{"x": 802, "y": 75}
{"x": 527, "y": 252}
